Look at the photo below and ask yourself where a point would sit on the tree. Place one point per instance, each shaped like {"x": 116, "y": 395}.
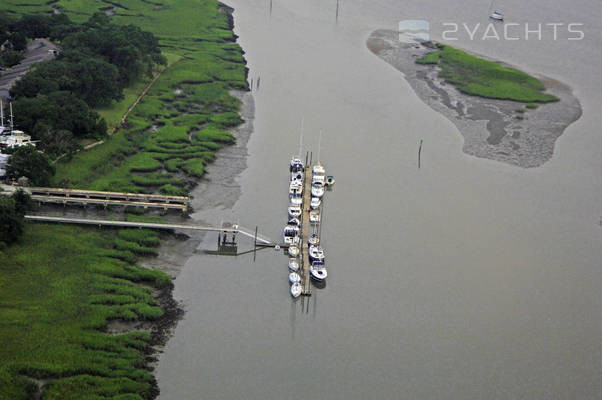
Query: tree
{"x": 29, "y": 162}
{"x": 11, "y": 221}
{"x": 23, "y": 202}
{"x": 59, "y": 110}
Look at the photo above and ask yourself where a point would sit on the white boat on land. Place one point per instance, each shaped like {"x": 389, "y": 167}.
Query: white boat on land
{"x": 316, "y": 253}
{"x": 16, "y": 139}
{"x": 12, "y": 138}
{"x": 497, "y": 15}
{"x": 293, "y": 251}
{"x": 315, "y": 203}
{"x": 293, "y": 264}
{"x": 296, "y": 290}
{"x": 314, "y": 240}
{"x": 317, "y": 189}
{"x": 314, "y": 216}
{"x": 318, "y": 271}
{"x": 294, "y": 277}
{"x": 294, "y": 211}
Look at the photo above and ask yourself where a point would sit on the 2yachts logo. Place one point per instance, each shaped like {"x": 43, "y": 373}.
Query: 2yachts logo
{"x": 417, "y": 31}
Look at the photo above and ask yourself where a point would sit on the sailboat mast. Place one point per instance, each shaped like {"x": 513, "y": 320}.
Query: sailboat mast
{"x": 319, "y": 146}
{"x": 12, "y": 124}
{"x": 1, "y": 114}
{"x": 301, "y": 138}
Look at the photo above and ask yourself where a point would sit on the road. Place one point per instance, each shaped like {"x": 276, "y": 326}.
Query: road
{"x": 38, "y": 50}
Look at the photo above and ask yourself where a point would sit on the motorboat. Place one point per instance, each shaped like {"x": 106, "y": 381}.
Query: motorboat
{"x": 315, "y": 203}
{"x": 16, "y": 139}
{"x": 316, "y": 253}
{"x": 296, "y": 289}
{"x": 293, "y": 264}
{"x": 290, "y": 231}
{"x": 314, "y": 216}
{"x": 296, "y": 199}
{"x": 317, "y": 189}
{"x": 318, "y": 169}
{"x": 296, "y": 176}
{"x": 318, "y": 178}
{"x": 314, "y": 239}
{"x": 497, "y": 15}
{"x": 292, "y": 240}
{"x": 294, "y": 277}
{"x": 294, "y": 222}
{"x": 318, "y": 271}
{"x": 295, "y": 188}
{"x": 294, "y": 211}
{"x": 296, "y": 165}
{"x": 293, "y": 251}
{"x": 329, "y": 180}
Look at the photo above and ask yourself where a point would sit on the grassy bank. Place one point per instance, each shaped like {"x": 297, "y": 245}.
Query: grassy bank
{"x": 59, "y": 288}
{"x": 61, "y": 285}
{"x": 183, "y": 120}
{"x": 478, "y": 77}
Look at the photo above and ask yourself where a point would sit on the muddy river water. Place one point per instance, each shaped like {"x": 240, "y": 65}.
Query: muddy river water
{"x": 465, "y": 279}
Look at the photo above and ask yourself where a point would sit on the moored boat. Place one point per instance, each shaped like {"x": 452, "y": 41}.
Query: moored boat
{"x": 296, "y": 290}
{"x": 294, "y": 211}
{"x": 296, "y": 165}
{"x": 318, "y": 271}
{"x": 293, "y": 264}
{"x": 315, "y": 203}
{"x": 497, "y": 15}
{"x": 293, "y": 251}
{"x": 294, "y": 277}
{"x": 314, "y": 240}
{"x": 329, "y": 180}
{"x": 316, "y": 253}
{"x": 314, "y": 216}
{"x": 317, "y": 189}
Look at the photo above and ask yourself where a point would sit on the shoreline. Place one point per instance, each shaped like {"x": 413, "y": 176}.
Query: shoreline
{"x": 499, "y": 130}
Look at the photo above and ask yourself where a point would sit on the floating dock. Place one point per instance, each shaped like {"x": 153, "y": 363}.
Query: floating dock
{"x": 305, "y": 228}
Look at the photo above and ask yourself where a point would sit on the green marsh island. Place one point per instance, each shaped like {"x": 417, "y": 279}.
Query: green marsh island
{"x": 502, "y": 113}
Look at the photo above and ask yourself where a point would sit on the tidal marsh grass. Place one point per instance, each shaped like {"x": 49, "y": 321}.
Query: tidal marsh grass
{"x": 478, "y": 77}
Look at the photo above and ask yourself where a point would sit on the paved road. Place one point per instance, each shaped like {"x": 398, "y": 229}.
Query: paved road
{"x": 37, "y": 50}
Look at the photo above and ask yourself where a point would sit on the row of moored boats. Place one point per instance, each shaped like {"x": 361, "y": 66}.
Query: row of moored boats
{"x": 292, "y": 231}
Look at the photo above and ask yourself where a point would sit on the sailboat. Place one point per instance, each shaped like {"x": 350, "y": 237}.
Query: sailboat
{"x": 13, "y": 138}
{"x": 496, "y": 15}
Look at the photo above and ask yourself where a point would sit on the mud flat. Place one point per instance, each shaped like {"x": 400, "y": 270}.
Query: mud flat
{"x": 499, "y": 130}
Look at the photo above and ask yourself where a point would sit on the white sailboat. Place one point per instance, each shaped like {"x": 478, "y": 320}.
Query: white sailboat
{"x": 496, "y": 15}
{"x": 14, "y": 138}
{"x": 296, "y": 289}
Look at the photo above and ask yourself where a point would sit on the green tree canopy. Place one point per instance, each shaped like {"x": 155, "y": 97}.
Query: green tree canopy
{"x": 29, "y": 162}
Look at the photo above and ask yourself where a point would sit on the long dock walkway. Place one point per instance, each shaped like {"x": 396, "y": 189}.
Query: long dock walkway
{"x": 305, "y": 228}
{"x": 93, "y": 197}
{"x": 149, "y": 225}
